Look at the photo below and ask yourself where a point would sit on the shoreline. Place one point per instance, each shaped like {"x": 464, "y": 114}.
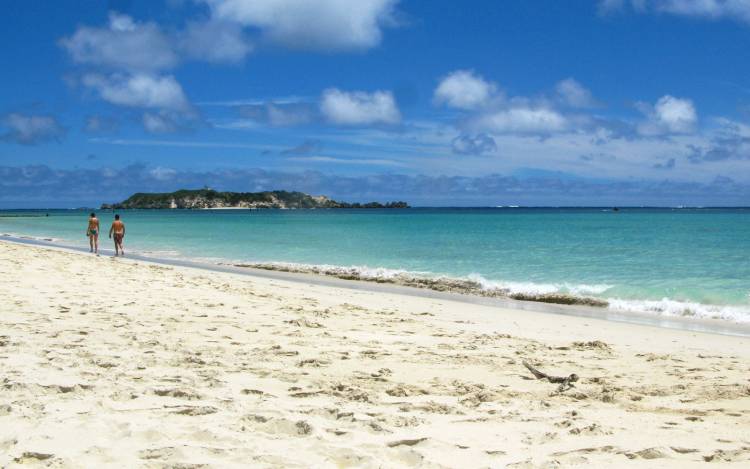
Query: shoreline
{"x": 714, "y": 326}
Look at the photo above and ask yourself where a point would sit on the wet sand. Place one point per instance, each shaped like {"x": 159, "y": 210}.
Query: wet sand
{"x": 125, "y": 363}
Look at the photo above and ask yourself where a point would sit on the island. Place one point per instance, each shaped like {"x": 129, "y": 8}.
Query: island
{"x": 211, "y": 199}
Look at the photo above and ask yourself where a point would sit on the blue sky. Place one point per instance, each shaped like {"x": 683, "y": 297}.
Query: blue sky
{"x": 440, "y": 102}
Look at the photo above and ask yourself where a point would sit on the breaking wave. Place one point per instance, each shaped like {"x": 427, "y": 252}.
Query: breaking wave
{"x": 687, "y": 309}
{"x": 475, "y": 284}
{"x": 33, "y": 238}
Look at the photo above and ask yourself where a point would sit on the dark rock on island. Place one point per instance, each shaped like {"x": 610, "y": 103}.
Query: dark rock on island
{"x": 209, "y": 198}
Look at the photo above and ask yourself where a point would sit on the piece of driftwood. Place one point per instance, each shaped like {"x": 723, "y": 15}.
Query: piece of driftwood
{"x": 566, "y": 382}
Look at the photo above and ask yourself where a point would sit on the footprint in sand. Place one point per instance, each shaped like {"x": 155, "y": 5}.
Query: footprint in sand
{"x": 303, "y": 322}
{"x": 405, "y": 390}
{"x": 720, "y": 455}
{"x": 29, "y": 457}
{"x": 589, "y": 430}
{"x": 276, "y": 426}
{"x": 313, "y": 362}
{"x": 158, "y": 453}
{"x": 177, "y": 393}
{"x": 648, "y": 453}
{"x": 256, "y": 392}
{"x": 197, "y": 411}
{"x": 408, "y": 442}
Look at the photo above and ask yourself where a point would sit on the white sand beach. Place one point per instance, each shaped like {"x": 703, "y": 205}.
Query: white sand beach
{"x": 122, "y": 363}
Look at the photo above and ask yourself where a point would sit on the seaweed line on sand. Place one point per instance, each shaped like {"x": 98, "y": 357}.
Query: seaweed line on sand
{"x": 442, "y": 284}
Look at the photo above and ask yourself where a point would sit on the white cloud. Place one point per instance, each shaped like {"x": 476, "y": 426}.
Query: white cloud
{"x": 739, "y": 9}
{"x": 158, "y": 123}
{"x": 463, "y": 89}
{"x": 139, "y": 90}
{"x": 669, "y": 115}
{"x": 215, "y": 41}
{"x": 573, "y": 94}
{"x": 312, "y": 25}
{"x": 359, "y": 108}
{"x": 522, "y": 120}
{"x": 489, "y": 111}
{"x": 30, "y": 130}
{"x": 161, "y": 173}
{"x": 124, "y": 44}
{"x": 712, "y": 9}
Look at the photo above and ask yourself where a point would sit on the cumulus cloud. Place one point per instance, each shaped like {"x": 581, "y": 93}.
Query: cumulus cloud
{"x": 669, "y": 115}
{"x": 321, "y": 25}
{"x": 158, "y": 123}
{"x": 571, "y": 93}
{"x": 521, "y": 120}
{"x": 476, "y": 145}
{"x": 359, "y": 108}
{"x": 464, "y": 89}
{"x": 130, "y": 58}
{"x": 215, "y": 41}
{"x": 356, "y": 108}
{"x": 487, "y": 110}
{"x": 139, "y": 90}
{"x": 122, "y": 45}
{"x": 30, "y": 130}
{"x": 711, "y": 9}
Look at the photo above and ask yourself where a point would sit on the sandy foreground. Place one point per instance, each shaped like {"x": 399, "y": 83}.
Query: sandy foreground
{"x": 120, "y": 363}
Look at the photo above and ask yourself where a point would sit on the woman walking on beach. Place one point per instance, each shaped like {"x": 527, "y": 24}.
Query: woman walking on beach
{"x": 93, "y": 233}
{"x": 118, "y": 230}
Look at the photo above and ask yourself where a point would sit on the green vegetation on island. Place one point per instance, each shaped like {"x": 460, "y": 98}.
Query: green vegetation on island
{"x": 209, "y": 198}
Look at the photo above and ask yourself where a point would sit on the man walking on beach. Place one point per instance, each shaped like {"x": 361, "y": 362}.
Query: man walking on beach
{"x": 93, "y": 233}
{"x": 118, "y": 230}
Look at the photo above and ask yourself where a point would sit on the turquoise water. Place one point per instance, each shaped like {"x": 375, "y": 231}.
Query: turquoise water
{"x": 693, "y": 262}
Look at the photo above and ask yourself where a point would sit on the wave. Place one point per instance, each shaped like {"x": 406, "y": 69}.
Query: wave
{"x": 475, "y": 284}
{"x": 33, "y": 238}
{"x": 166, "y": 253}
{"x": 531, "y": 288}
{"x": 687, "y": 309}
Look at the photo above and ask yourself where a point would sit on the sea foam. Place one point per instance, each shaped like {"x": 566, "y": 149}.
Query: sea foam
{"x": 476, "y": 284}
{"x": 674, "y": 308}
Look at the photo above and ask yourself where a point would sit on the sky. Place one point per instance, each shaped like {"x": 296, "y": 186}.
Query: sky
{"x": 436, "y": 102}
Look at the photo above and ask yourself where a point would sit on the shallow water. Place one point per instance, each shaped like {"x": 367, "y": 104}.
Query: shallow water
{"x": 687, "y": 262}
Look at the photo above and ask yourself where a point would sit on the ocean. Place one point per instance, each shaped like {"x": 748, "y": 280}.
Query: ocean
{"x": 670, "y": 262}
